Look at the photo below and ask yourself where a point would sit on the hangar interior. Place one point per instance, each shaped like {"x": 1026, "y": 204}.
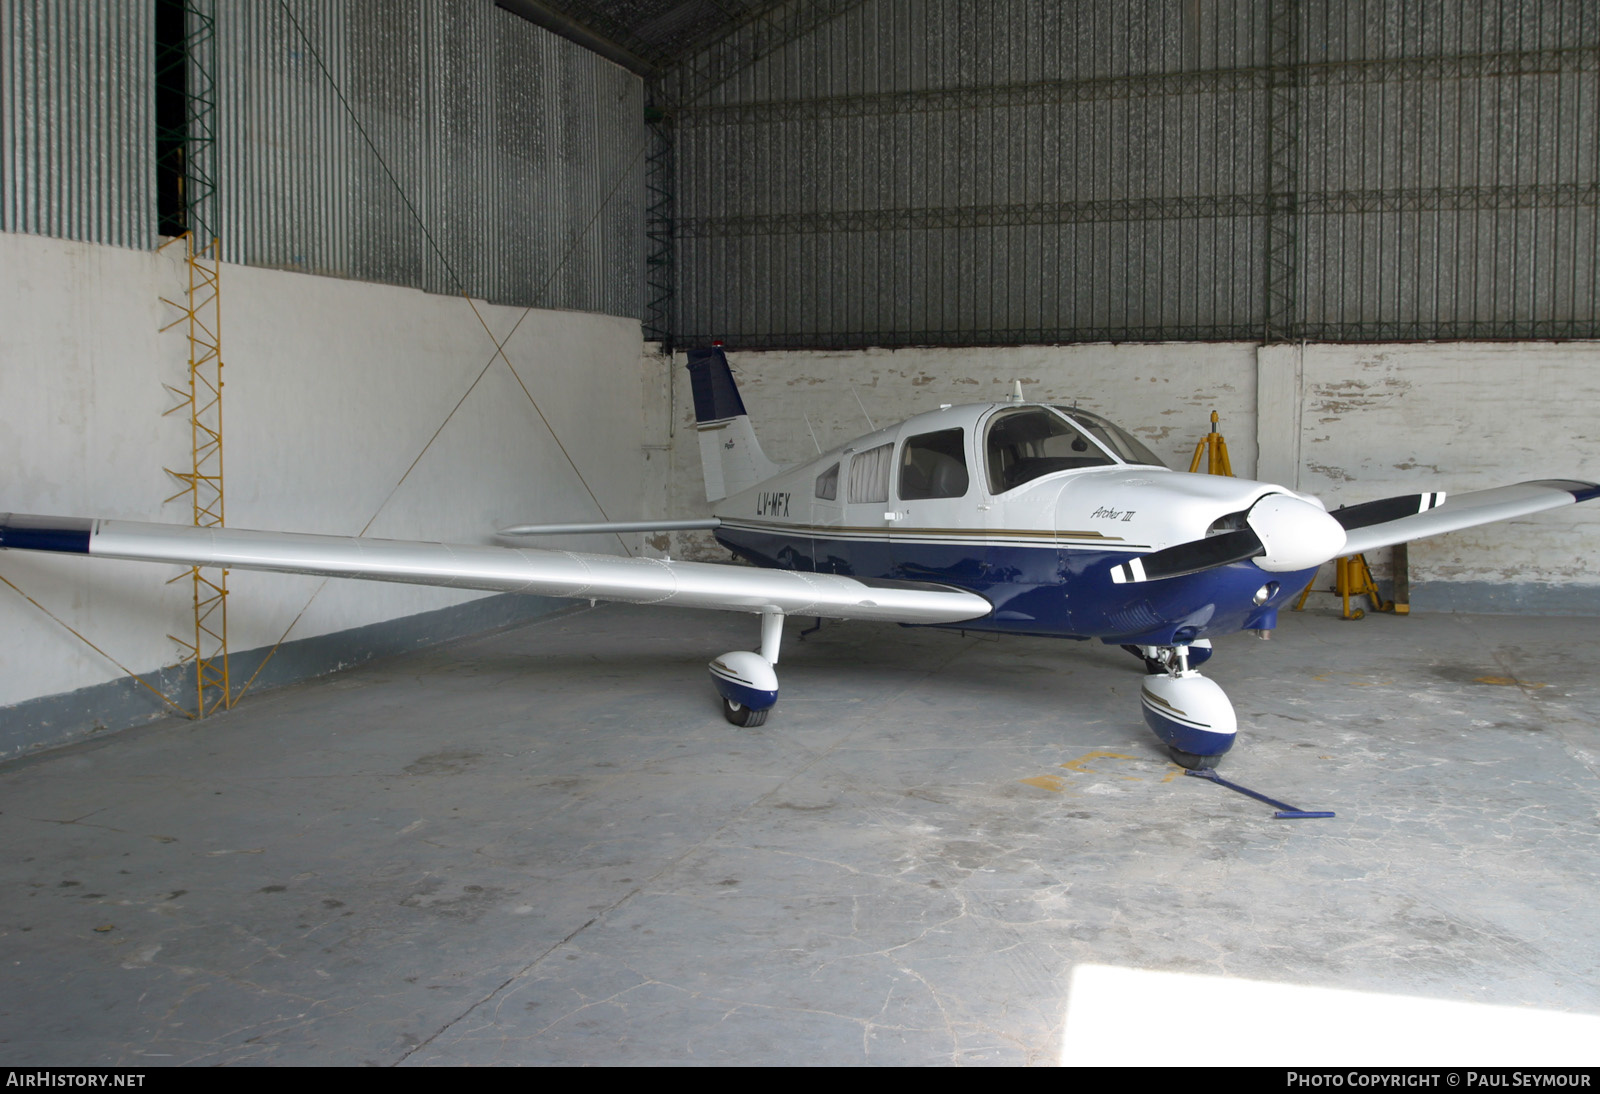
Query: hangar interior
{"x": 454, "y": 254}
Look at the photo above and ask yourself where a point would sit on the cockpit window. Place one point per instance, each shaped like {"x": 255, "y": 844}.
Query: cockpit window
{"x": 1127, "y": 447}
{"x": 933, "y": 465}
{"x": 1028, "y": 442}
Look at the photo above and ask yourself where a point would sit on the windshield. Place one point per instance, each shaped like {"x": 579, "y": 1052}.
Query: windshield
{"x": 1127, "y": 447}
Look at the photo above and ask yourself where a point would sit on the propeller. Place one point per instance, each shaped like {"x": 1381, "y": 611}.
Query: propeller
{"x": 1283, "y": 533}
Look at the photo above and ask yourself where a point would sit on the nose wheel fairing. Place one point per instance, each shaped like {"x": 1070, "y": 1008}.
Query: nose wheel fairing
{"x": 1191, "y": 715}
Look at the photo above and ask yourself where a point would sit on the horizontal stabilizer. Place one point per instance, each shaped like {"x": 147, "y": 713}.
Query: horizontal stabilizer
{"x": 498, "y": 569}
{"x": 1469, "y": 510}
{"x": 609, "y": 526}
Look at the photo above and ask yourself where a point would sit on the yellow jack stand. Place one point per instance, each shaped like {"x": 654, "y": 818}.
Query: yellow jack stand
{"x": 1352, "y": 577}
{"x": 1215, "y": 451}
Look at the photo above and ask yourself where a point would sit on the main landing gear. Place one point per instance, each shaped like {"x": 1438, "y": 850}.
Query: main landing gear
{"x": 1189, "y": 712}
{"x": 746, "y": 681}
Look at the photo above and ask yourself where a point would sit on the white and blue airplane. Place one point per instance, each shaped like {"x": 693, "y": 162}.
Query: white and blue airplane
{"x": 1016, "y": 518}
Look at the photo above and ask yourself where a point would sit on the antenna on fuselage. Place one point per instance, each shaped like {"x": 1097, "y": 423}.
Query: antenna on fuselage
{"x": 811, "y": 431}
{"x": 864, "y": 413}
{"x": 1016, "y": 391}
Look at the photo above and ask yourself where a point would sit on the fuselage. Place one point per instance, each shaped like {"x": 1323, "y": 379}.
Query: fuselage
{"x": 1028, "y": 505}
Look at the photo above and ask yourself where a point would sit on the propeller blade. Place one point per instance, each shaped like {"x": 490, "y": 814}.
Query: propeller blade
{"x": 1190, "y": 558}
{"x": 1351, "y": 517}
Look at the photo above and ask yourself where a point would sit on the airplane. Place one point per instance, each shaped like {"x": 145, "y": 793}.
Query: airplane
{"x": 1017, "y": 518}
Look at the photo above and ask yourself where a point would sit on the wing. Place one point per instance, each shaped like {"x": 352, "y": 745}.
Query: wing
{"x": 499, "y": 569}
{"x": 1466, "y": 510}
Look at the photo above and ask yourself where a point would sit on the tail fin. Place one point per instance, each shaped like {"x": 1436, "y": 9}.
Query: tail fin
{"x": 730, "y": 456}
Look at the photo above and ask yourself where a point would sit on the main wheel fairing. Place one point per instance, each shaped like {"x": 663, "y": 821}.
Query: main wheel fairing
{"x": 745, "y": 678}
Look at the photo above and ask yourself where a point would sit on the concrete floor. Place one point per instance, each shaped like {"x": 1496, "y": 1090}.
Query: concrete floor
{"x": 545, "y": 846}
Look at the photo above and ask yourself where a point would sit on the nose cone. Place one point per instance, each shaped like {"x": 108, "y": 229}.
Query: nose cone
{"x": 1294, "y": 534}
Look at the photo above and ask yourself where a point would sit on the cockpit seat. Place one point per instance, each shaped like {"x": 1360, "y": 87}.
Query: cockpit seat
{"x": 933, "y": 475}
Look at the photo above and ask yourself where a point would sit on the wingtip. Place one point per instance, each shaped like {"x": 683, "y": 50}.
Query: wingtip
{"x": 1580, "y": 489}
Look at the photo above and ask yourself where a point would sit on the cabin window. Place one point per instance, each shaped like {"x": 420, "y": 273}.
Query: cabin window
{"x": 869, "y": 473}
{"x": 828, "y": 484}
{"x": 933, "y": 465}
{"x": 1026, "y": 443}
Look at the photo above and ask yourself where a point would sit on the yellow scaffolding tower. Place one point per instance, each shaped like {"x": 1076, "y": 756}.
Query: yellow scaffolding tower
{"x": 202, "y": 312}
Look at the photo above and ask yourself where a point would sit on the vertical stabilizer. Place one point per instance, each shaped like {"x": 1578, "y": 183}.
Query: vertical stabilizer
{"x": 730, "y": 456}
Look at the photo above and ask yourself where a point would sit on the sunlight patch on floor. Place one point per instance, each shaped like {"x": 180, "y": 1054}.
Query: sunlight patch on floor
{"x": 1135, "y": 1016}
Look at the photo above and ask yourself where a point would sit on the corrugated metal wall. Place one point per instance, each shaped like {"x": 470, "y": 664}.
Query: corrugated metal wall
{"x": 445, "y": 145}
{"x": 77, "y": 121}
{"x": 999, "y": 171}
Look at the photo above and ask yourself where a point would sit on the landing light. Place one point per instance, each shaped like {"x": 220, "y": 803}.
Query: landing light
{"x": 1265, "y": 593}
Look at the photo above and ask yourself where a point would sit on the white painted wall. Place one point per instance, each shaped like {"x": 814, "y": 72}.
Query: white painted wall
{"x": 332, "y": 389}
{"x": 1349, "y": 423}
{"x": 1382, "y": 420}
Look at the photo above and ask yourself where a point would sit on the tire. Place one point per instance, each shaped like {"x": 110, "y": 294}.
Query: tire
{"x": 741, "y": 715}
{"x": 1190, "y": 760}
